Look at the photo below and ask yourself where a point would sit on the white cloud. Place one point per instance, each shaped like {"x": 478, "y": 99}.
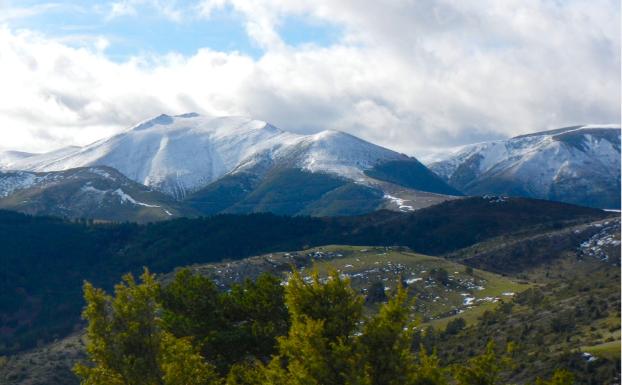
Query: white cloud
{"x": 9, "y": 12}
{"x": 408, "y": 75}
{"x": 166, "y": 8}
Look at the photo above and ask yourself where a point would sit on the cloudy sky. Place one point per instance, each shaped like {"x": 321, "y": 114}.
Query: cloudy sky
{"x": 412, "y": 75}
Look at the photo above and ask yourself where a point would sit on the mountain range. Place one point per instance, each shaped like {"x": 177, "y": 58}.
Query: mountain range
{"x": 240, "y": 165}
{"x": 579, "y": 165}
{"x": 192, "y": 165}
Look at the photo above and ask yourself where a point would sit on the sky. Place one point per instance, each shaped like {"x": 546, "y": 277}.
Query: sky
{"x": 416, "y": 76}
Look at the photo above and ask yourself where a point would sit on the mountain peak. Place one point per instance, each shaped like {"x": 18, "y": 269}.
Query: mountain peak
{"x": 162, "y": 119}
{"x": 183, "y": 153}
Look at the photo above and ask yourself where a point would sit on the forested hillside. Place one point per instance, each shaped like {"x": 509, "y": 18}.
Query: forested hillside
{"x": 46, "y": 259}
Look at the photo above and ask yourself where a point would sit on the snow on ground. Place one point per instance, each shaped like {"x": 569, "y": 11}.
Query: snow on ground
{"x": 412, "y": 280}
{"x": 468, "y": 300}
{"x": 399, "y": 202}
{"x": 127, "y": 198}
{"x": 608, "y": 237}
{"x": 13, "y": 181}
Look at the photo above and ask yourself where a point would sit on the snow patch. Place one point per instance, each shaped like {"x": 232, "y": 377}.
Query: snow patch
{"x": 127, "y": 198}
{"x": 413, "y": 280}
{"x": 399, "y": 202}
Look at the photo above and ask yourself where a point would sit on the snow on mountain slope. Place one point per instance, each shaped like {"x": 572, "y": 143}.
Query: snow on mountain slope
{"x": 578, "y": 164}
{"x": 9, "y": 157}
{"x": 17, "y": 160}
{"x": 181, "y": 154}
{"x": 92, "y": 192}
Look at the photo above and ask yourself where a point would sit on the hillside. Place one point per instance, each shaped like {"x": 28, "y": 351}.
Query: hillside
{"x": 569, "y": 319}
{"x": 47, "y": 259}
{"x": 549, "y": 301}
{"x": 99, "y": 193}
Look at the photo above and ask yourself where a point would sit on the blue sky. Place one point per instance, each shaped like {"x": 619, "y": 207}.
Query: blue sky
{"x": 414, "y": 76}
{"x": 148, "y": 29}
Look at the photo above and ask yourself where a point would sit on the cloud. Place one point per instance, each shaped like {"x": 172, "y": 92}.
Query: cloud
{"x": 8, "y": 13}
{"x": 408, "y": 75}
{"x": 169, "y": 9}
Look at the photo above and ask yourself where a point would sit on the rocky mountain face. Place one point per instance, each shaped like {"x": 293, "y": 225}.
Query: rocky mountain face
{"x": 579, "y": 165}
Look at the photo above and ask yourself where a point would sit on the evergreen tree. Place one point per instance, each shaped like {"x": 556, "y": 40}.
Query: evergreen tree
{"x": 327, "y": 343}
{"x": 319, "y": 347}
{"x": 455, "y": 326}
{"x": 127, "y": 344}
{"x": 192, "y": 308}
{"x": 226, "y": 327}
{"x": 560, "y": 377}
{"x": 386, "y": 341}
{"x": 334, "y": 301}
{"x": 256, "y": 315}
{"x": 247, "y": 373}
{"x": 428, "y": 370}
{"x": 484, "y": 369}
{"x": 376, "y": 293}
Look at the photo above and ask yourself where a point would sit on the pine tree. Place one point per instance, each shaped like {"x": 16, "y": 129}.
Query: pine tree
{"x": 484, "y": 369}
{"x": 192, "y": 308}
{"x": 334, "y": 301}
{"x": 227, "y": 327}
{"x": 256, "y": 315}
{"x": 319, "y": 347}
{"x": 385, "y": 344}
{"x": 560, "y": 377}
{"x": 428, "y": 370}
{"x": 247, "y": 373}
{"x": 127, "y": 344}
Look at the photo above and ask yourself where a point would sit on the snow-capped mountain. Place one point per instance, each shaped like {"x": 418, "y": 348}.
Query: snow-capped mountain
{"x": 92, "y": 192}
{"x": 181, "y": 154}
{"x": 579, "y": 164}
{"x": 185, "y": 154}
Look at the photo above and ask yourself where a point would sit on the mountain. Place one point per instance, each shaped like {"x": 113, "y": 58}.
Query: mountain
{"x": 100, "y": 193}
{"x": 579, "y": 165}
{"x": 237, "y": 164}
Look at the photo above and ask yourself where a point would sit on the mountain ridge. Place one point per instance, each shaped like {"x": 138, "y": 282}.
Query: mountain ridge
{"x": 98, "y": 192}
{"x": 238, "y": 164}
{"x": 181, "y": 154}
{"x": 578, "y": 164}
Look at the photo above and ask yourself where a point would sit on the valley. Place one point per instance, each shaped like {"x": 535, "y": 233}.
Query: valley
{"x": 48, "y": 259}
{"x": 500, "y": 304}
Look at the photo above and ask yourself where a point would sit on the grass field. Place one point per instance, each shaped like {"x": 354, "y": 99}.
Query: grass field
{"x": 609, "y": 350}
{"x": 464, "y": 294}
